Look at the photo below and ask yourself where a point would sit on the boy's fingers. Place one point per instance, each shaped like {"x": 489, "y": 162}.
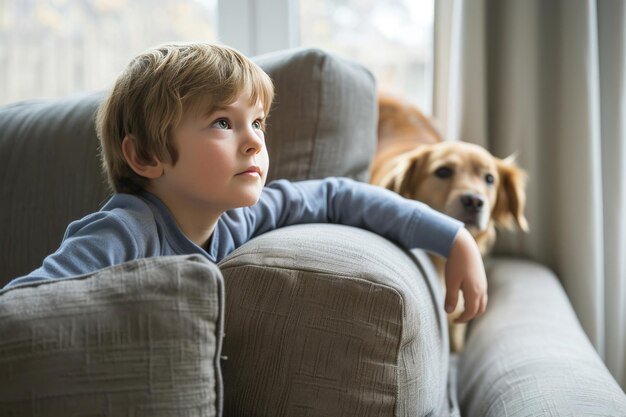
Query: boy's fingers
{"x": 451, "y": 301}
{"x": 470, "y": 312}
{"x": 472, "y": 306}
{"x": 452, "y": 295}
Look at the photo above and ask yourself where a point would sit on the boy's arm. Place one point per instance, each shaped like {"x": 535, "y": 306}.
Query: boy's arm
{"x": 99, "y": 240}
{"x": 340, "y": 200}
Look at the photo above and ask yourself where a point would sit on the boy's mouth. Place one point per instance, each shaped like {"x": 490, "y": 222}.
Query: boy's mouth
{"x": 252, "y": 170}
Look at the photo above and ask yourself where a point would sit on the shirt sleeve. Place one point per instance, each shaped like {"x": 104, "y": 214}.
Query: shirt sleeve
{"x": 344, "y": 201}
{"x": 97, "y": 241}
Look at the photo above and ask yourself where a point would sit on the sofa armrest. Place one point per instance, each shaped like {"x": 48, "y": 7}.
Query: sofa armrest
{"x": 528, "y": 355}
{"x": 331, "y": 319}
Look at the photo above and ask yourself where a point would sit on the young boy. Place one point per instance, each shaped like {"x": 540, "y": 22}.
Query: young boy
{"x": 182, "y": 140}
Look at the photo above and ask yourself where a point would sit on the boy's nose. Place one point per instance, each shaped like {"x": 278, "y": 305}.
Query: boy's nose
{"x": 252, "y": 143}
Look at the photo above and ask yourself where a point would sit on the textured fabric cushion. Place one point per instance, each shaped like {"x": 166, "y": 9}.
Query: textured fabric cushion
{"x": 528, "y": 355}
{"x": 323, "y": 121}
{"x": 137, "y": 339}
{"x": 328, "y": 320}
{"x": 49, "y": 176}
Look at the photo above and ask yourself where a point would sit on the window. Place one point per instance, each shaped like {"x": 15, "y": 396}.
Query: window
{"x": 52, "y": 48}
{"x": 393, "y": 38}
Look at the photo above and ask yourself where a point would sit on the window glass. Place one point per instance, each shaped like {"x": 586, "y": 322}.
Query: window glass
{"x": 393, "y": 38}
{"x": 51, "y": 48}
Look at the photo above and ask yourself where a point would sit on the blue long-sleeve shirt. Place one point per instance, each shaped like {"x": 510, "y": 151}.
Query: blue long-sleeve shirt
{"x": 130, "y": 227}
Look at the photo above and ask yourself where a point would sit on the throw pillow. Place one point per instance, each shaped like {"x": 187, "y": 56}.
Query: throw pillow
{"x": 138, "y": 339}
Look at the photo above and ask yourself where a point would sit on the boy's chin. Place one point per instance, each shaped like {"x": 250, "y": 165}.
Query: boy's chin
{"x": 250, "y": 204}
{"x": 251, "y": 195}
{"x": 250, "y": 201}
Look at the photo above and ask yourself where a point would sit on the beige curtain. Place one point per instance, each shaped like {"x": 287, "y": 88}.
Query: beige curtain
{"x": 546, "y": 80}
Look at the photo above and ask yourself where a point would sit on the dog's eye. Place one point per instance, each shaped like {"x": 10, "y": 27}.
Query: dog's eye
{"x": 489, "y": 179}
{"x": 444, "y": 172}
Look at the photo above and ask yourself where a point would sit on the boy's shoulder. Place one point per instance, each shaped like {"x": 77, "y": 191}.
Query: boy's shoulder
{"x": 128, "y": 205}
{"x": 127, "y": 212}
{"x": 137, "y": 211}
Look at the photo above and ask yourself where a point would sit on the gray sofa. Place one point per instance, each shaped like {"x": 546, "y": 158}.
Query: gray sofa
{"x": 310, "y": 320}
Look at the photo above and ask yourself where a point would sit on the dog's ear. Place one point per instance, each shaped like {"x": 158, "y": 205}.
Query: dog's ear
{"x": 400, "y": 173}
{"x": 410, "y": 169}
{"x": 511, "y": 199}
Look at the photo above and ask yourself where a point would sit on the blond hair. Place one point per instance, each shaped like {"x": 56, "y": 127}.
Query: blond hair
{"x": 150, "y": 97}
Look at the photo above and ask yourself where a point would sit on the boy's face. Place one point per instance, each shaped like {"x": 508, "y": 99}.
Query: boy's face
{"x": 222, "y": 159}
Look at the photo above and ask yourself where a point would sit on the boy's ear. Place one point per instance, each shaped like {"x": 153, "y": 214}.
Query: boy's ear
{"x": 148, "y": 169}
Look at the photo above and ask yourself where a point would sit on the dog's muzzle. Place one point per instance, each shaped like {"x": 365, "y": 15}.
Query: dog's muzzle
{"x": 472, "y": 209}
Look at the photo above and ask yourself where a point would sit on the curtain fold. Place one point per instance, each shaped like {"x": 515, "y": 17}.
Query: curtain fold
{"x": 546, "y": 81}
{"x": 612, "y": 40}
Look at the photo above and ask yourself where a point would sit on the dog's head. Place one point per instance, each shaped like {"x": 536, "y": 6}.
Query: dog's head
{"x": 401, "y": 121}
{"x": 464, "y": 181}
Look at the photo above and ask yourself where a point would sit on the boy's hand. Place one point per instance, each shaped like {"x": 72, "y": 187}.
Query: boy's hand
{"x": 465, "y": 271}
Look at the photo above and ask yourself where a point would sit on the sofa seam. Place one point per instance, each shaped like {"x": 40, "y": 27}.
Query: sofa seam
{"x": 319, "y": 271}
{"x": 314, "y": 151}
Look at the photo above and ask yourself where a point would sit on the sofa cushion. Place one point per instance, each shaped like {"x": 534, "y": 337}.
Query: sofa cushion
{"x": 529, "y": 356}
{"x": 137, "y": 339}
{"x": 49, "y": 176}
{"x": 333, "y": 320}
{"x": 323, "y": 121}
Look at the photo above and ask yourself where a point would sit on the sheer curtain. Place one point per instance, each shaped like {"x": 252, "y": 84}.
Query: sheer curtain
{"x": 546, "y": 80}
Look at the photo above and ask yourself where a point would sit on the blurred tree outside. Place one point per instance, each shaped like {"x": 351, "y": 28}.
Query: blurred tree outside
{"x": 393, "y": 38}
{"x": 52, "y": 48}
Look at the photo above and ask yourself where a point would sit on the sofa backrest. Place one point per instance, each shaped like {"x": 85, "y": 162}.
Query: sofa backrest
{"x": 323, "y": 123}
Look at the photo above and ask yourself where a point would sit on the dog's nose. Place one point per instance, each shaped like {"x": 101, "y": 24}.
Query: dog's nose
{"x": 472, "y": 203}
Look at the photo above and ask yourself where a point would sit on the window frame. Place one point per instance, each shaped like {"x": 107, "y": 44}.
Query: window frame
{"x": 258, "y": 26}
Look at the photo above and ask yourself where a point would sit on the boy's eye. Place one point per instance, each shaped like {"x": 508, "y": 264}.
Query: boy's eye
{"x": 221, "y": 124}
{"x": 257, "y": 125}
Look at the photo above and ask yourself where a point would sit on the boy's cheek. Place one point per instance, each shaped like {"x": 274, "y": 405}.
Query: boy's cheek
{"x": 264, "y": 164}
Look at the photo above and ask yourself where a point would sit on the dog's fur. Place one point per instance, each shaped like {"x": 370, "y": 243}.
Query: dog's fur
{"x": 459, "y": 179}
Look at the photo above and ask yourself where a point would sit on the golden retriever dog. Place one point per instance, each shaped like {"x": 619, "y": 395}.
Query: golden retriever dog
{"x": 459, "y": 179}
